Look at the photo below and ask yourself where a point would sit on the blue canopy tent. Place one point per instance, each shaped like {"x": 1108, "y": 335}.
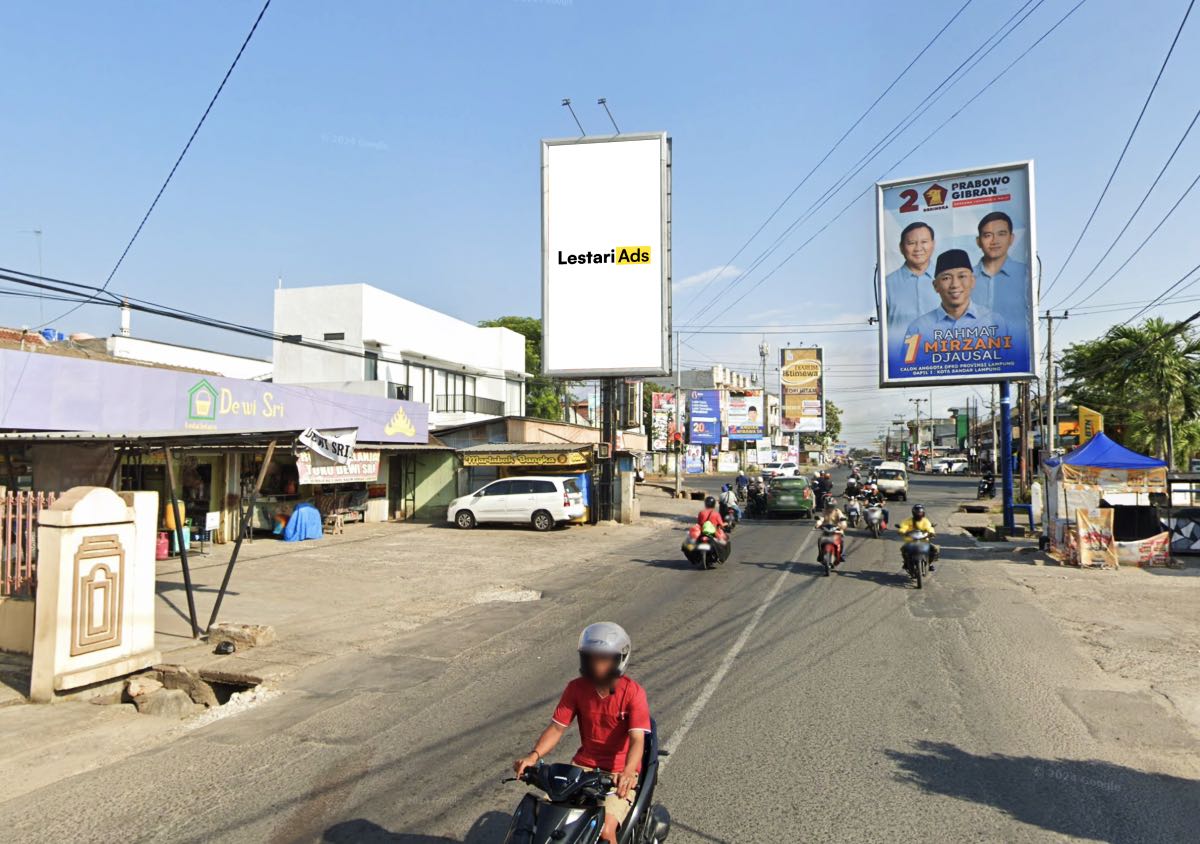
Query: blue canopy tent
{"x": 1099, "y": 470}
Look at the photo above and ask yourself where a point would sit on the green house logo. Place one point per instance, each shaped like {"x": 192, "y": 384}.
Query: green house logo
{"x": 202, "y": 402}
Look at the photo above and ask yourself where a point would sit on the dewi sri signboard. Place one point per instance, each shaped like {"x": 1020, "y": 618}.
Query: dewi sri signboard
{"x": 606, "y": 256}
{"x": 44, "y": 392}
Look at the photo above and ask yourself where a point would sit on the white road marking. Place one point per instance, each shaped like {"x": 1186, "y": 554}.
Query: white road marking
{"x": 714, "y": 682}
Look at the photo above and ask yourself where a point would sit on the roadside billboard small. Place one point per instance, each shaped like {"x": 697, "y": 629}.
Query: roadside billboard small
{"x": 606, "y": 256}
{"x": 745, "y": 414}
{"x": 802, "y": 382}
{"x": 704, "y": 417}
{"x": 662, "y": 420}
{"x": 957, "y": 299}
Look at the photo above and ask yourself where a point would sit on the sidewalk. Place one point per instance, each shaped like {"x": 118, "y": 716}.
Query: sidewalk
{"x": 325, "y": 599}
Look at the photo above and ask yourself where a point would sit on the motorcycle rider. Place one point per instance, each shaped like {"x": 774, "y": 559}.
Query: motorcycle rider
{"x": 710, "y": 513}
{"x": 835, "y": 518}
{"x": 872, "y": 498}
{"x": 918, "y": 521}
{"x": 743, "y": 484}
{"x": 729, "y": 501}
{"x": 614, "y": 718}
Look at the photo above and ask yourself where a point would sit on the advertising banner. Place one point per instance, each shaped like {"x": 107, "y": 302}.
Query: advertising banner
{"x": 662, "y": 420}
{"x": 745, "y": 414}
{"x": 1149, "y": 552}
{"x": 606, "y": 255}
{"x": 802, "y": 382}
{"x": 1095, "y": 545}
{"x": 693, "y": 462}
{"x": 363, "y": 466}
{"x": 957, "y": 298}
{"x": 332, "y": 446}
{"x": 704, "y": 417}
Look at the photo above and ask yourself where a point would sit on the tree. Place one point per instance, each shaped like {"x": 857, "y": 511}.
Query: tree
{"x": 1145, "y": 379}
{"x": 543, "y": 396}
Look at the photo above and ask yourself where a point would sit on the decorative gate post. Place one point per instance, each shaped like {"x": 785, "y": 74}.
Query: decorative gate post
{"x": 94, "y": 618}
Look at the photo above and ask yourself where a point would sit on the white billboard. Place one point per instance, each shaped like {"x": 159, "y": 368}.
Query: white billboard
{"x": 606, "y": 256}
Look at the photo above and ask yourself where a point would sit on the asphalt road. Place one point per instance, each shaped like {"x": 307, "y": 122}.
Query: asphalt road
{"x": 797, "y": 707}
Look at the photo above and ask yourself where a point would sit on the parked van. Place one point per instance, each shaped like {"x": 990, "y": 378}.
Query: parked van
{"x": 542, "y": 502}
{"x": 892, "y": 479}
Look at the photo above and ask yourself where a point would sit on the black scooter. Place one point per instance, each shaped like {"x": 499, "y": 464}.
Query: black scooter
{"x": 918, "y": 553}
{"x": 987, "y": 487}
{"x": 574, "y": 812}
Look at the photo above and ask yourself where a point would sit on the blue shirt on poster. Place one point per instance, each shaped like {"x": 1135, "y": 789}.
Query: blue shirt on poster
{"x": 1007, "y": 292}
{"x": 909, "y": 295}
{"x": 938, "y": 320}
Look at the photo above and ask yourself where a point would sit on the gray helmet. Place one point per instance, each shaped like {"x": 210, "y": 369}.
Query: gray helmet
{"x": 607, "y": 639}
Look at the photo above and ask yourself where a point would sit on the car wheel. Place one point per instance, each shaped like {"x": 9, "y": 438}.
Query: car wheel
{"x": 904, "y": 496}
{"x": 465, "y": 519}
{"x": 542, "y": 521}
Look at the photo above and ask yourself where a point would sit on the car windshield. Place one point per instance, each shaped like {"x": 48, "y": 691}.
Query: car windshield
{"x": 890, "y": 474}
{"x": 771, "y": 465}
{"x": 790, "y": 483}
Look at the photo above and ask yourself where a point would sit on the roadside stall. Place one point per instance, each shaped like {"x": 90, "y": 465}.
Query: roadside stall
{"x": 1101, "y": 506}
{"x": 490, "y": 461}
{"x": 1183, "y": 512}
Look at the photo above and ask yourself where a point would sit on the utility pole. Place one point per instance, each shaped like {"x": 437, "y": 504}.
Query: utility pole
{"x": 917, "y": 446}
{"x": 1051, "y": 398}
{"x": 1023, "y": 396}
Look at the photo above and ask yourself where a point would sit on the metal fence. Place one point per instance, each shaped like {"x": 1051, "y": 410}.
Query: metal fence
{"x": 18, "y": 540}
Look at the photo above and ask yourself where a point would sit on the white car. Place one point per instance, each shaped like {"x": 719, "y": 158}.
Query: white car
{"x": 539, "y": 501}
{"x": 956, "y": 466}
{"x": 777, "y": 469}
{"x": 892, "y": 480}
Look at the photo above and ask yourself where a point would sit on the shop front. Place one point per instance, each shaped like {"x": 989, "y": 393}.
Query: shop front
{"x": 482, "y": 464}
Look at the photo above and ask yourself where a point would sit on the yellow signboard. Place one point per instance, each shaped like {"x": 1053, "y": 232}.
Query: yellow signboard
{"x": 526, "y": 458}
{"x": 1090, "y": 423}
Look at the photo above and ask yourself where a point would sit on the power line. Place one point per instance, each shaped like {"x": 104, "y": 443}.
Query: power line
{"x": 833, "y": 149}
{"x": 1166, "y": 292}
{"x": 930, "y": 99}
{"x": 919, "y": 144}
{"x": 1124, "y": 149}
{"x": 174, "y": 167}
{"x": 1128, "y": 222}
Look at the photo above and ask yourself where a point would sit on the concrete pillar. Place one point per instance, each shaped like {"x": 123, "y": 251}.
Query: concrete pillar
{"x": 94, "y": 618}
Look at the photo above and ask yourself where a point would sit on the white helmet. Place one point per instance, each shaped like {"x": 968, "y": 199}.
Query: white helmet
{"x": 606, "y": 638}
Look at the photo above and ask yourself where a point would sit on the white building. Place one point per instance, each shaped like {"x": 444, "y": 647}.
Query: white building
{"x": 382, "y": 344}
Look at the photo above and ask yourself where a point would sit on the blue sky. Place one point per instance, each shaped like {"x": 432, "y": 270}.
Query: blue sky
{"x": 396, "y": 143}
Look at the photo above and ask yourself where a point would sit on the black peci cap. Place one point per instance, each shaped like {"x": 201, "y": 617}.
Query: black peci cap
{"x": 952, "y": 259}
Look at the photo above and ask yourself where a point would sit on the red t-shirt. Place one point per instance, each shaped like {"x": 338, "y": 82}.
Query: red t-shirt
{"x": 713, "y": 516}
{"x": 604, "y": 722}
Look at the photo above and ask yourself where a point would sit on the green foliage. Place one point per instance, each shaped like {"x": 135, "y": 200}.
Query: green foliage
{"x": 1145, "y": 379}
{"x": 543, "y": 396}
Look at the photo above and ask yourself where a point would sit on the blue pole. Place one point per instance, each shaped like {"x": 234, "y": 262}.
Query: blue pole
{"x": 1004, "y": 451}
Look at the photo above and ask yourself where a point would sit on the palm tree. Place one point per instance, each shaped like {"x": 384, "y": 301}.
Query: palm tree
{"x": 1146, "y": 375}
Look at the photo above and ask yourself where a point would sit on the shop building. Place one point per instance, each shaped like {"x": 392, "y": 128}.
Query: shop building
{"x": 518, "y": 446}
{"x": 379, "y": 344}
{"x": 67, "y": 421}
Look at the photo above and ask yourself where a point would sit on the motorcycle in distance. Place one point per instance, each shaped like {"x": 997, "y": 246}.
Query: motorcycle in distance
{"x": 830, "y": 544}
{"x": 987, "y": 486}
{"x": 853, "y": 510}
{"x": 874, "y": 519}
{"x": 918, "y": 551}
{"x": 573, "y": 810}
{"x": 705, "y": 547}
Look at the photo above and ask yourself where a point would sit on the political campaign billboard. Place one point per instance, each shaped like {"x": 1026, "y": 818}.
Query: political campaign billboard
{"x": 745, "y": 414}
{"x": 802, "y": 384}
{"x": 957, "y": 299}
{"x": 704, "y": 417}
{"x": 662, "y": 420}
{"x": 606, "y": 256}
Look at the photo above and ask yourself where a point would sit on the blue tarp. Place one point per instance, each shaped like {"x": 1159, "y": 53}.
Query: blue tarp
{"x": 1103, "y": 453}
{"x": 305, "y": 523}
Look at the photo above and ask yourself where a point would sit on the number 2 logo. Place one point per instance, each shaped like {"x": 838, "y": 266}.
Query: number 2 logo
{"x": 910, "y": 201}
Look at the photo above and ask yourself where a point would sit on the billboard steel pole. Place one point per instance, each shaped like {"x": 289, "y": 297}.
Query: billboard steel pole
{"x": 1005, "y": 452}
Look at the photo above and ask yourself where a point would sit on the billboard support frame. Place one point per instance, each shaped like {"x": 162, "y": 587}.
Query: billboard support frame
{"x": 668, "y": 363}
